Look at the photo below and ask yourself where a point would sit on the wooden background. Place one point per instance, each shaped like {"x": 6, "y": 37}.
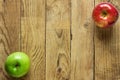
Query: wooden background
{"x": 60, "y": 38}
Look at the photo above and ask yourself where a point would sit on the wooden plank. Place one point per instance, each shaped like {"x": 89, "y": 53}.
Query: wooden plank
{"x": 107, "y": 50}
{"x": 9, "y": 32}
{"x": 33, "y": 36}
{"x": 58, "y": 40}
{"x": 82, "y": 40}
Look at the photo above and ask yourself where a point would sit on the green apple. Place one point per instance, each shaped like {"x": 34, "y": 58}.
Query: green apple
{"x": 17, "y": 64}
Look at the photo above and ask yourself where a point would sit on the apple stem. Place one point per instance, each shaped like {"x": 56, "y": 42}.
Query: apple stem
{"x": 17, "y": 65}
{"x": 104, "y": 13}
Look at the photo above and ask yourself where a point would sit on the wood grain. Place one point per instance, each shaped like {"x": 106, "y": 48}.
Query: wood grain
{"x": 82, "y": 40}
{"x": 33, "y": 36}
{"x": 58, "y": 40}
{"x": 107, "y": 50}
{"x": 9, "y": 32}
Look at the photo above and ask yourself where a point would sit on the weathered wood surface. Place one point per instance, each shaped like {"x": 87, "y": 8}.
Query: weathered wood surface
{"x": 9, "y": 32}
{"x": 33, "y": 36}
{"x": 82, "y": 40}
{"x": 60, "y": 38}
{"x": 107, "y": 50}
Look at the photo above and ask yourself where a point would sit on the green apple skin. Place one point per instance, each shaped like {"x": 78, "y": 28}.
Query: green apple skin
{"x": 17, "y": 64}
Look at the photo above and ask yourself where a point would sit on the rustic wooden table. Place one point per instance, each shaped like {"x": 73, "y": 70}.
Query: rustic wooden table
{"x": 60, "y": 38}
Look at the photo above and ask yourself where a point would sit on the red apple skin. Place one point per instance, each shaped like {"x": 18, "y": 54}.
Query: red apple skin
{"x": 105, "y": 15}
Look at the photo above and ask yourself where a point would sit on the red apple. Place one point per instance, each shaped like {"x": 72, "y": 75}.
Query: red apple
{"x": 105, "y": 15}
